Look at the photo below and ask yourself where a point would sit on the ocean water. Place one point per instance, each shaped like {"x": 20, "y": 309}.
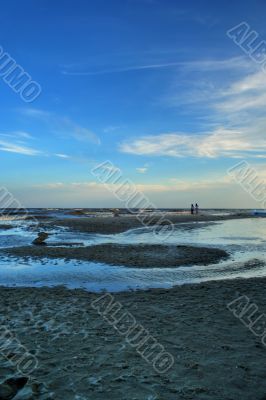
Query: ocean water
{"x": 244, "y": 239}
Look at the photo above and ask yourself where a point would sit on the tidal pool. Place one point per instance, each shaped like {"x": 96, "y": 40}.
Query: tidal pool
{"x": 244, "y": 240}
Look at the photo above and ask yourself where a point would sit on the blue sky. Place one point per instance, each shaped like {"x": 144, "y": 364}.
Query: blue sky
{"x": 155, "y": 86}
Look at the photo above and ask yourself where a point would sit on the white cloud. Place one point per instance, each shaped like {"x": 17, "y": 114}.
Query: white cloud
{"x": 244, "y": 95}
{"x": 218, "y": 143}
{"x": 247, "y": 102}
{"x": 255, "y": 81}
{"x": 233, "y": 107}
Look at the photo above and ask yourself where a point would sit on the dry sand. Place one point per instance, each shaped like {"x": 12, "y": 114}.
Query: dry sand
{"x": 82, "y": 357}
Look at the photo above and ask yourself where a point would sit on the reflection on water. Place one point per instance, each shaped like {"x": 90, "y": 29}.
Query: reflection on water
{"x": 244, "y": 239}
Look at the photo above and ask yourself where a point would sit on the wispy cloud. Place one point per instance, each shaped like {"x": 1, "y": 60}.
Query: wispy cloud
{"x": 11, "y": 147}
{"x": 19, "y": 135}
{"x": 233, "y": 63}
{"x": 246, "y": 94}
{"x": 35, "y": 112}
{"x": 62, "y": 155}
{"x": 62, "y": 125}
{"x": 204, "y": 65}
{"x": 19, "y": 142}
{"x": 255, "y": 81}
{"x": 121, "y": 69}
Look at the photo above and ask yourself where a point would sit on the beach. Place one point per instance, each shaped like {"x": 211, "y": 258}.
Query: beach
{"x": 80, "y": 356}
{"x": 78, "y": 353}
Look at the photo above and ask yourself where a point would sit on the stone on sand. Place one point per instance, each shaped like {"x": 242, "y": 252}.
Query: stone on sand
{"x": 40, "y": 240}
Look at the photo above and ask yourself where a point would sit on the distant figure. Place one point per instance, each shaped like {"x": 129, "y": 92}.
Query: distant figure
{"x": 192, "y": 209}
{"x": 197, "y": 208}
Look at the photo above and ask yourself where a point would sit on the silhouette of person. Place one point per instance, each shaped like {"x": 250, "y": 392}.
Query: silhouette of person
{"x": 197, "y": 208}
{"x": 192, "y": 209}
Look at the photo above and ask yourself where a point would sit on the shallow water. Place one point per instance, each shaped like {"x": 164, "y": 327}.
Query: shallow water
{"x": 245, "y": 241}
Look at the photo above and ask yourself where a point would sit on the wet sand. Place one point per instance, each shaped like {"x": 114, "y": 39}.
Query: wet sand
{"x": 5, "y": 227}
{"x": 110, "y": 225}
{"x": 80, "y": 356}
{"x": 143, "y": 255}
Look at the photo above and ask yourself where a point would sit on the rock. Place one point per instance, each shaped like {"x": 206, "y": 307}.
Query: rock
{"x": 11, "y": 387}
{"x": 40, "y": 240}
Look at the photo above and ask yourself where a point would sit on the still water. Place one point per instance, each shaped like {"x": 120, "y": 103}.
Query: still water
{"x": 245, "y": 240}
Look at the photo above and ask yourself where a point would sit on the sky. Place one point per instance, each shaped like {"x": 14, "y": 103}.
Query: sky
{"x": 157, "y": 87}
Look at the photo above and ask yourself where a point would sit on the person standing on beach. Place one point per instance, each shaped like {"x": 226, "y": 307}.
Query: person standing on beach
{"x": 192, "y": 209}
{"x": 197, "y": 208}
